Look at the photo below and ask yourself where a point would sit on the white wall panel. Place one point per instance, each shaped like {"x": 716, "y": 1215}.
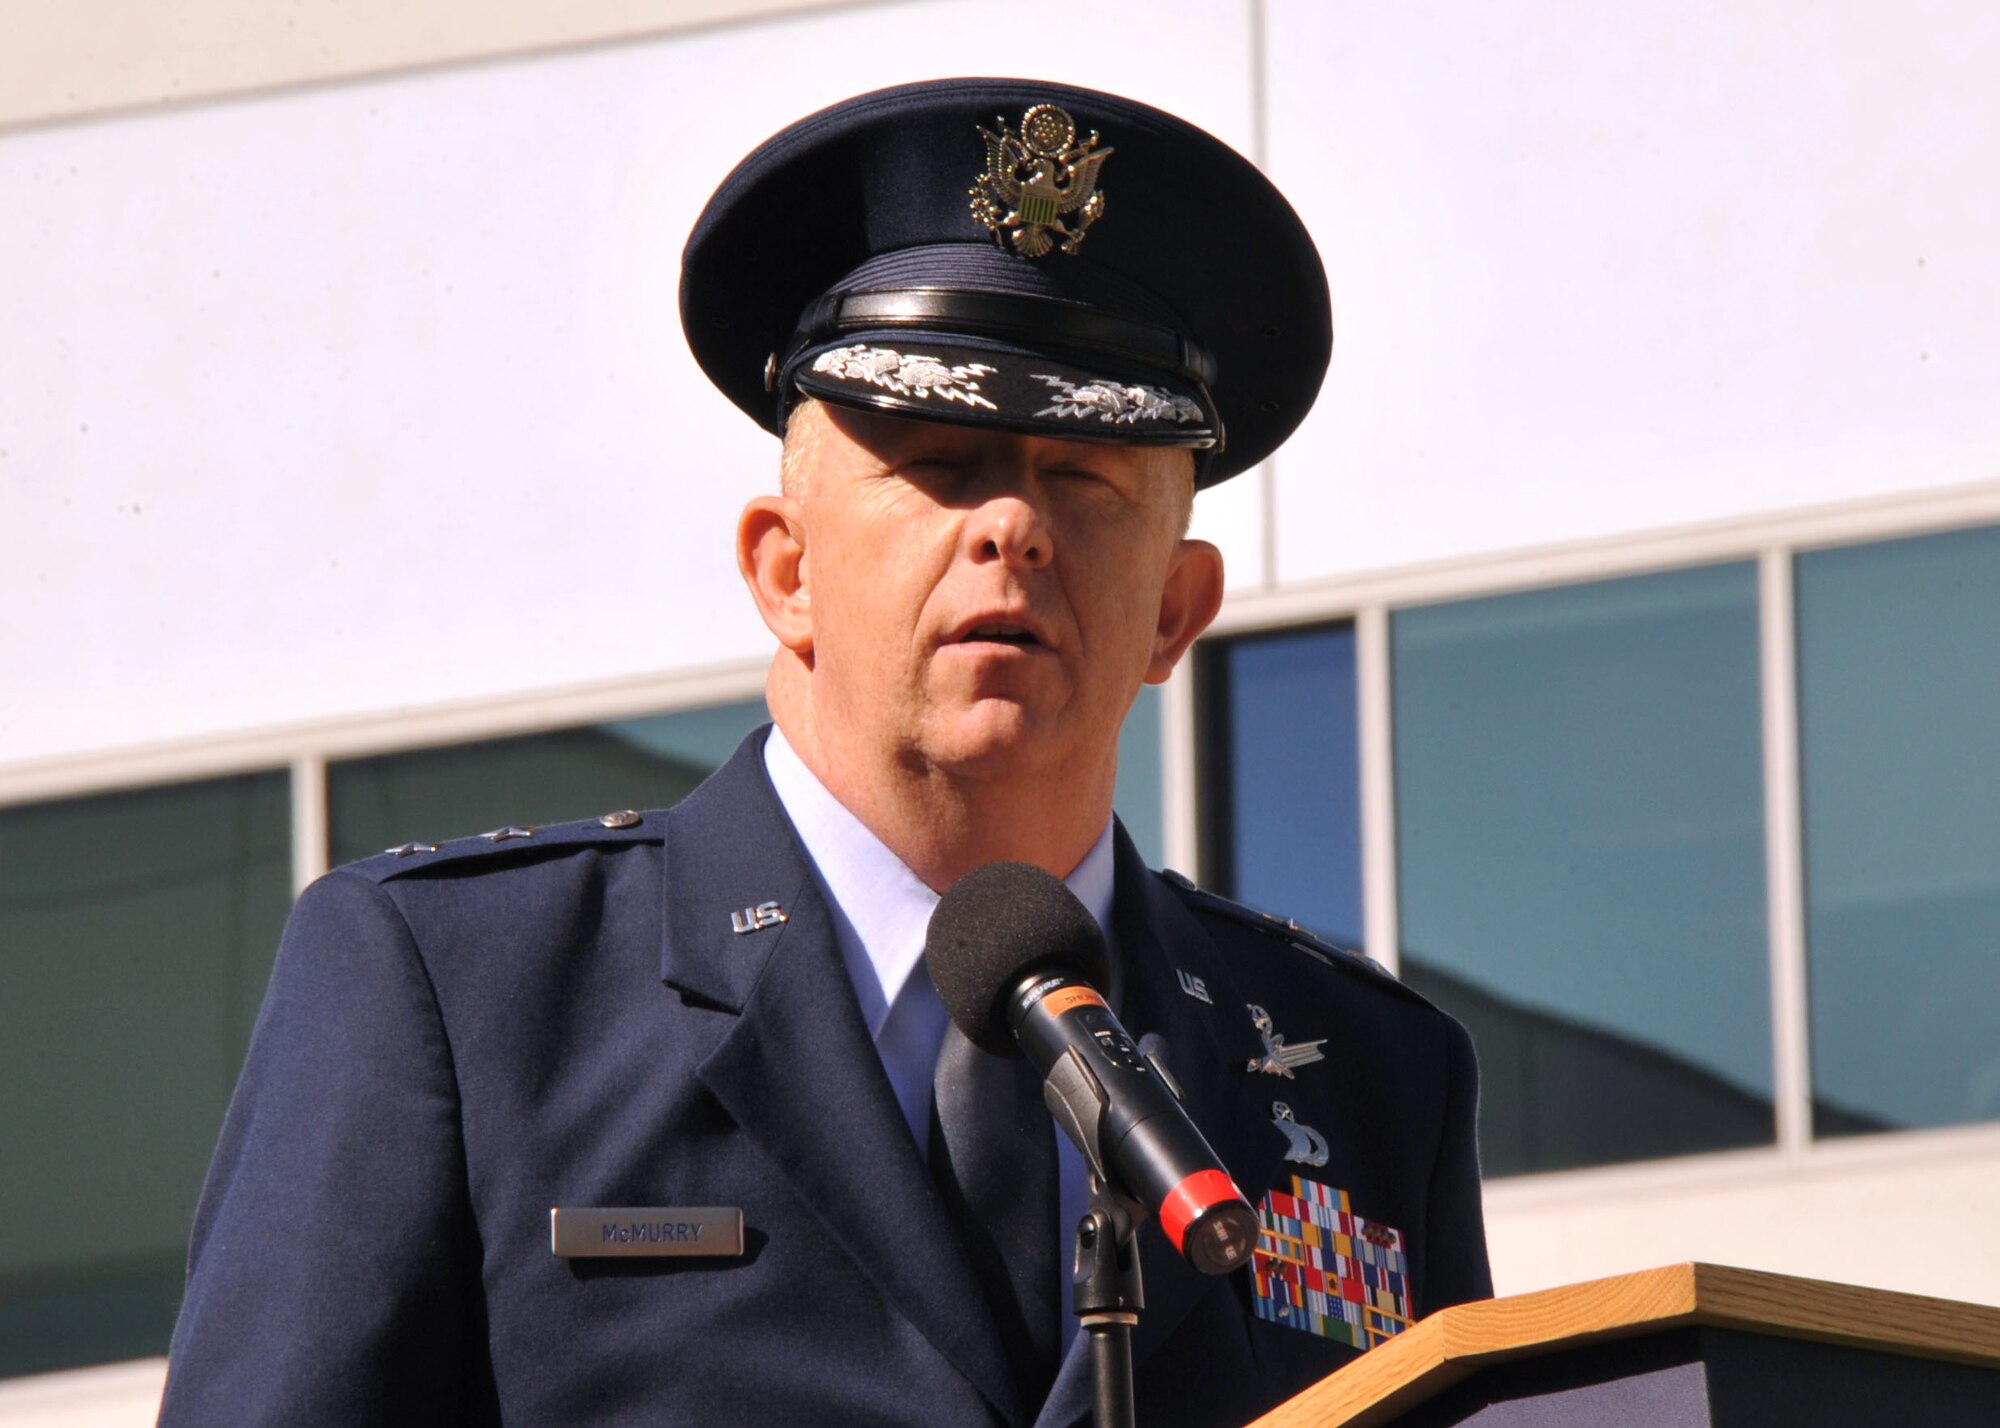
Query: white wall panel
{"x": 1599, "y": 269}
{"x": 1801, "y": 1218}
{"x": 374, "y": 395}
{"x": 93, "y": 56}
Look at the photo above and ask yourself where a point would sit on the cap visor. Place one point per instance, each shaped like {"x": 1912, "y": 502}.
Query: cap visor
{"x": 919, "y": 375}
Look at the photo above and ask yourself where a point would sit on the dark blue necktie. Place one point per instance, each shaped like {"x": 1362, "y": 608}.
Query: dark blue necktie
{"x": 993, "y": 1155}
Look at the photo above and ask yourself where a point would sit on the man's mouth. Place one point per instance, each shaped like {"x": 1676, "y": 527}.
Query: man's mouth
{"x": 1000, "y": 632}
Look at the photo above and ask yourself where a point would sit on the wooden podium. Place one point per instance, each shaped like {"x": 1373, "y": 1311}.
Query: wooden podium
{"x": 1687, "y": 1346}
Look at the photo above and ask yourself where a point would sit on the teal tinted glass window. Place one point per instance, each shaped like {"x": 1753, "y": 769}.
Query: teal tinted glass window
{"x": 1580, "y": 838}
{"x": 1899, "y": 716}
{"x": 652, "y": 762}
{"x": 1281, "y": 777}
{"x": 461, "y": 789}
{"x": 138, "y": 931}
{"x": 1139, "y": 798}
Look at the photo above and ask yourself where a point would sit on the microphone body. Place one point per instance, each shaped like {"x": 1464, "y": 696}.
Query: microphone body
{"x": 1017, "y": 961}
{"x": 1118, "y": 1108}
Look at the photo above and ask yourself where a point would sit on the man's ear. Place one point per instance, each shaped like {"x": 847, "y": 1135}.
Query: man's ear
{"x": 1188, "y": 603}
{"x": 771, "y": 553}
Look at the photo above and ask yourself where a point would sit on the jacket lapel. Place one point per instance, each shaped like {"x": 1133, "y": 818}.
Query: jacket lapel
{"x": 798, "y": 1070}
{"x": 1209, "y": 1045}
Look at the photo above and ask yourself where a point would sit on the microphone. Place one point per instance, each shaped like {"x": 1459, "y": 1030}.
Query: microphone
{"x": 1017, "y": 961}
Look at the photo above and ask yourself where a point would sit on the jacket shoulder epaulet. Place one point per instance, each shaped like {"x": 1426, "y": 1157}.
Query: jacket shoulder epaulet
{"x": 1282, "y": 929}
{"x": 511, "y": 843}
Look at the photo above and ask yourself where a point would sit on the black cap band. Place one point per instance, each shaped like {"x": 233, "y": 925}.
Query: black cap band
{"x": 1071, "y": 325}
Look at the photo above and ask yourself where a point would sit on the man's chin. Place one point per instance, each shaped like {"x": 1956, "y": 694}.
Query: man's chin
{"x": 995, "y": 738}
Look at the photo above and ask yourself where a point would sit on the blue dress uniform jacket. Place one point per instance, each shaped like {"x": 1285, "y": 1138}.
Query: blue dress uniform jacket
{"x": 455, "y": 1041}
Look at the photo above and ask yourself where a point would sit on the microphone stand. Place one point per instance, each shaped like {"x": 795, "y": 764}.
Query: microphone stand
{"x": 1106, "y": 1293}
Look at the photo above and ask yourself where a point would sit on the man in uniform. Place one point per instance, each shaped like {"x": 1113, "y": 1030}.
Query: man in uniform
{"x": 1005, "y": 329}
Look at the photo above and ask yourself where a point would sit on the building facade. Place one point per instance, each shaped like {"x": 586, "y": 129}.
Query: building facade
{"x": 1614, "y": 651}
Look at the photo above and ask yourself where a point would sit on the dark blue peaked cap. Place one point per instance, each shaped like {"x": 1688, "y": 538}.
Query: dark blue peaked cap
{"x": 1009, "y": 253}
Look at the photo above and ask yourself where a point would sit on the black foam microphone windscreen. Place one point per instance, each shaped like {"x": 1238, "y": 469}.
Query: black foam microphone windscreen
{"x": 991, "y": 928}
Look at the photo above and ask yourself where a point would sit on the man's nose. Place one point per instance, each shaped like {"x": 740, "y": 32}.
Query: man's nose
{"x": 1010, "y": 526}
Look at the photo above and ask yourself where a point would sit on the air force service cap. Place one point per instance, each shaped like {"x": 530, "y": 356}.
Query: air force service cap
{"x": 1009, "y": 253}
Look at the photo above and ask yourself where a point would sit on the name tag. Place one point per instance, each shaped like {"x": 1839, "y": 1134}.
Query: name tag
{"x": 594, "y": 1233}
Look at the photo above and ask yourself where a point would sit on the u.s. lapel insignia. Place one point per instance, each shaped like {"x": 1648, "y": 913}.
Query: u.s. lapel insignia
{"x": 756, "y": 919}
{"x": 1308, "y": 1145}
{"x": 1278, "y": 1058}
{"x": 1194, "y": 986}
{"x": 1040, "y": 187}
{"x": 1320, "y": 1267}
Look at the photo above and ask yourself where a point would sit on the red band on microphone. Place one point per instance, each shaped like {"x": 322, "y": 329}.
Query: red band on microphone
{"x": 1190, "y": 1199}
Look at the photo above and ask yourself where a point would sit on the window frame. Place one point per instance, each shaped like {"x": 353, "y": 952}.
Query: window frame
{"x": 1365, "y": 599}
{"x": 1773, "y": 543}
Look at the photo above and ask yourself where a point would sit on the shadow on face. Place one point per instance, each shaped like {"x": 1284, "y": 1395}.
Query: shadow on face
{"x": 957, "y": 462}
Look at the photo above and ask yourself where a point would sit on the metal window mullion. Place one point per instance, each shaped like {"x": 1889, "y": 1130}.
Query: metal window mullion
{"x": 1180, "y": 837}
{"x": 1374, "y": 716}
{"x": 309, "y": 831}
{"x": 1266, "y": 474}
{"x": 1784, "y": 852}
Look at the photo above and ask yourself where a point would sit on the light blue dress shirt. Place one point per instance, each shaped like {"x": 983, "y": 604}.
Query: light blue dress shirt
{"x": 881, "y": 911}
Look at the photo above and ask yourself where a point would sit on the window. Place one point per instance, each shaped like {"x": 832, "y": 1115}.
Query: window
{"x": 1139, "y": 799}
{"x": 139, "y": 929}
{"x": 1281, "y": 777}
{"x": 462, "y": 789}
{"x": 1581, "y": 861}
{"x": 1579, "y": 865}
{"x": 652, "y": 762}
{"x": 1899, "y": 711}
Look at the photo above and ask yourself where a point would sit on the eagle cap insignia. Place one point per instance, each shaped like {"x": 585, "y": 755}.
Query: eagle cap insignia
{"x": 1039, "y": 191}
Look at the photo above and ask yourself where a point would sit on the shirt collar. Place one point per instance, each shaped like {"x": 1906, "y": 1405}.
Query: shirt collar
{"x": 882, "y": 909}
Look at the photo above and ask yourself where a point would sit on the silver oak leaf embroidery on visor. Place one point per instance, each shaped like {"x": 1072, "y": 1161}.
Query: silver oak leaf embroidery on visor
{"x": 907, "y": 374}
{"x": 1116, "y": 401}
